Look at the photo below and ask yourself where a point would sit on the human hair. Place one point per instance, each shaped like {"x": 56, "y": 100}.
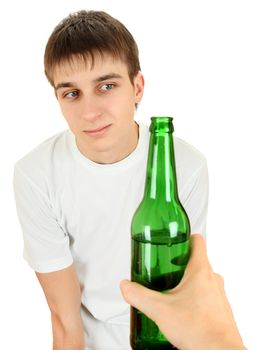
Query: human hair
{"x": 85, "y": 33}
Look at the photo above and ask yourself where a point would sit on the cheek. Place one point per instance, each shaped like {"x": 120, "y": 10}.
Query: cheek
{"x": 68, "y": 113}
{"x": 70, "y": 118}
{"x": 126, "y": 101}
{"x": 63, "y": 109}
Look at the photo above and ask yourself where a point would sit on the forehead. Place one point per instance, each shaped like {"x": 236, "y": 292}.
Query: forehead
{"x": 91, "y": 67}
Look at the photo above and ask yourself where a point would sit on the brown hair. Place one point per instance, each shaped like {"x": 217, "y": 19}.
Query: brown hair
{"x": 85, "y": 33}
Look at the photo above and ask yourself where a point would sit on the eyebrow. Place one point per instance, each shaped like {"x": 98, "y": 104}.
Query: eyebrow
{"x": 96, "y": 80}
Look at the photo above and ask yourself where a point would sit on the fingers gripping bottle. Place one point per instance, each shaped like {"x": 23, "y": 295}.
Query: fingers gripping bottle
{"x": 160, "y": 233}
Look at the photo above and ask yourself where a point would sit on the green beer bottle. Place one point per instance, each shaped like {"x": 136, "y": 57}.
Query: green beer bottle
{"x": 160, "y": 233}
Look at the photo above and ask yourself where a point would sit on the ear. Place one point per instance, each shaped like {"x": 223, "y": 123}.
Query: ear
{"x": 139, "y": 84}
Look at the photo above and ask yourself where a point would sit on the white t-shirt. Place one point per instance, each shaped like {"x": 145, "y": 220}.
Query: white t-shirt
{"x": 73, "y": 210}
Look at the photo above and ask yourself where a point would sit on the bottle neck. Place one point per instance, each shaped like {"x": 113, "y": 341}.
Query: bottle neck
{"x": 161, "y": 180}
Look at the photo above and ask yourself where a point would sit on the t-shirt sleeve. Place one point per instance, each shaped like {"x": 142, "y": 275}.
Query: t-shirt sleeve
{"x": 46, "y": 245}
{"x": 195, "y": 199}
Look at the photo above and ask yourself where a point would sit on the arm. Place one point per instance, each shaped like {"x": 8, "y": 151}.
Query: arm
{"x": 195, "y": 314}
{"x": 62, "y": 292}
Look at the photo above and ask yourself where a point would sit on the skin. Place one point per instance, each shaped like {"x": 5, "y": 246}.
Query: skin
{"x": 62, "y": 292}
{"x": 91, "y": 98}
{"x": 94, "y": 97}
{"x": 195, "y": 315}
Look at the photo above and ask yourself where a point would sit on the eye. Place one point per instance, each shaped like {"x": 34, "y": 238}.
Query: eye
{"x": 107, "y": 87}
{"x": 71, "y": 94}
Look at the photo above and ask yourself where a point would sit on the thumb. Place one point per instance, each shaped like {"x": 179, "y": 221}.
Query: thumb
{"x": 198, "y": 258}
{"x": 142, "y": 298}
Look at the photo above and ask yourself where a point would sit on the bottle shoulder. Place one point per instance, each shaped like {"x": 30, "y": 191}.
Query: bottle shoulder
{"x": 160, "y": 215}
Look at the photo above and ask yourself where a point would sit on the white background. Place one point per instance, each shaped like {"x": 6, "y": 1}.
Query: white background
{"x": 197, "y": 58}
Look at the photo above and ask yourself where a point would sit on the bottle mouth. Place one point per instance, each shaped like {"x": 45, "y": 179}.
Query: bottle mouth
{"x": 161, "y": 124}
{"x": 161, "y": 118}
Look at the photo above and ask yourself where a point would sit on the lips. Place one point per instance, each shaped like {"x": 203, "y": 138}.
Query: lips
{"x": 97, "y": 131}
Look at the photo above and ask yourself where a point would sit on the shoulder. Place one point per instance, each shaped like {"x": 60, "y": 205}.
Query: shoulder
{"x": 187, "y": 156}
{"x": 41, "y": 162}
{"x": 42, "y": 155}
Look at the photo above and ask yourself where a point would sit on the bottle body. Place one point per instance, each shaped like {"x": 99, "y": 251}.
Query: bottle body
{"x": 160, "y": 233}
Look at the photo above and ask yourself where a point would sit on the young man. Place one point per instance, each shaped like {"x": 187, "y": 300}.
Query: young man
{"x": 76, "y": 193}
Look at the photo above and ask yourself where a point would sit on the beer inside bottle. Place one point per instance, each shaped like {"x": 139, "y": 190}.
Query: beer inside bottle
{"x": 160, "y": 233}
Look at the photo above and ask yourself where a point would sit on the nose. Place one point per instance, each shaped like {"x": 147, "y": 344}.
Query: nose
{"x": 90, "y": 108}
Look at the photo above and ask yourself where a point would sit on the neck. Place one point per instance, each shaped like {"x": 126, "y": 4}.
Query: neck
{"x": 161, "y": 174}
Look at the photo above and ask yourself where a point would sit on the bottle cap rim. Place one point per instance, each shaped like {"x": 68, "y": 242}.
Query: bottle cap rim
{"x": 161, "y": 124}
{"x": 162, "y": 118}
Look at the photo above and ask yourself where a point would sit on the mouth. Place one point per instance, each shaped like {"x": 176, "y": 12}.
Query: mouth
{"x": 97, "y": 131}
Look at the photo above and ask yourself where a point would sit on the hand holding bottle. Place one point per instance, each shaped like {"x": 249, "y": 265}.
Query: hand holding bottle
{"x": 195, "y": 314}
